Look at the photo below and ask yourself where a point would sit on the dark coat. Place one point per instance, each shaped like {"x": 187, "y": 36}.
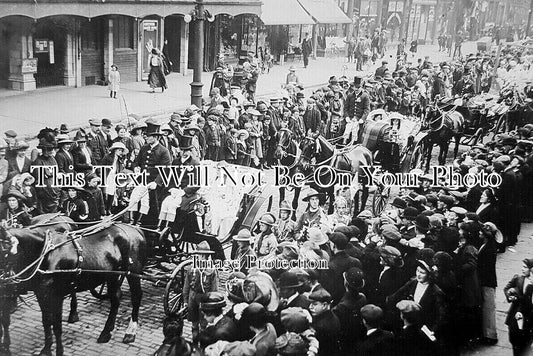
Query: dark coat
{"x": 348, "y": 310}
{"x": 467, "y": 277}
{"x": 522, "y": 303}
{"x": 411, "y": 341}
{"x": 225, "y": 329}
{"x": 80, "y": 161}
{"x": 486, "y": 265}
{"x": 379, "y": 343}
{"x": 13, "y": 168}
{"x": 98, "y": 145}
{"x": 300, "y": 301}
{"x": 333, "y": 279}
{"x": 490, "y": 213}
{"x": 327, "y": 327}
{"x": 390, "y": 281}
{"x": 432, "y": 304}
{"x": 149, "y": 158}
{"x": 65, "y": 163}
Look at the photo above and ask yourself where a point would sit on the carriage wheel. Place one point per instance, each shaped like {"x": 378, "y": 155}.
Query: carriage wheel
{"x": 380, "y": 200}
{"x": 173, "y": 299}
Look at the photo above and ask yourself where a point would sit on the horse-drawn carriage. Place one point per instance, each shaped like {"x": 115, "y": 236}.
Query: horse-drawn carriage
{"x": 397, "y": 144}
{"x": 57, "y": 258}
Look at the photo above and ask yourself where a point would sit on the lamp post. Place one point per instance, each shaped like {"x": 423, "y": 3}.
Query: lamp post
{"x": 529, "y": 19}
{"x": 196, "y": 85}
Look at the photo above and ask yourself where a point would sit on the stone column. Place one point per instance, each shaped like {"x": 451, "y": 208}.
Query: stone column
{"x": 69, "y": 73}
{"x": 19, "y": 51}
{"x": 184, "y": 47}
{"x": 108, "y": 48}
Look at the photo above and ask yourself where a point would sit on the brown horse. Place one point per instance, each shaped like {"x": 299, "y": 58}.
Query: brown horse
{"x": 8, "y": 294}
{"x": 73, "y": 263}
{"x": 349, "y": 160}
{"x": 443, "y": 126}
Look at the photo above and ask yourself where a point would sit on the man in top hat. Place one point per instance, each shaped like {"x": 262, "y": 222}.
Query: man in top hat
{"x": 410, "y": 339}
{"x": 65, "y": 162}
{"x": 97, "y": 142}
{"x": 325, "y": 323}
{"x": 356, "y": 108}
{"x": 219, "y": 326}
{"x": 20, "y": 163}
{"x": 152, "y": 154}
{"x": 348, "y": 310}
{"x": 377, "y": 341}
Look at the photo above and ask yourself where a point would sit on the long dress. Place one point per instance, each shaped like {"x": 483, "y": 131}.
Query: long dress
{"x": 156, "y": 78}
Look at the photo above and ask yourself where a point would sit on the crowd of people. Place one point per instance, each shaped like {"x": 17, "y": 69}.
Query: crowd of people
{"x": 419, "y": 278}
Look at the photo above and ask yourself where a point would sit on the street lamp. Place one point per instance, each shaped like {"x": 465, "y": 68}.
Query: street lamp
{"x": 199, "y": 15}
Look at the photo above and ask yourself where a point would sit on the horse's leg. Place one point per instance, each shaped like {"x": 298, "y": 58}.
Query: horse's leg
{"x": 295, "y": 202}
{"x": 57, "y": 313}
{"x": 114, "y": 293}
{"x": 456, "y": 149}
{"x": 73, "y": 315}
{"x": 136, "y": 296}
{"x": 429, "y": 150}
{"x": 47, "y": 325}
{"x": 355, "y": 205}
{"x": 364, "y": 196}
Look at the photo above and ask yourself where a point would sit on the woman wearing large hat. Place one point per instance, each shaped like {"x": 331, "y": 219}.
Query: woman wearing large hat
{"x": 265, "y": 242}
{"x": 75, "y": 207}
{"x": 81, "y": 154}
{"x": 313, "y": 215}
{"x": 15, "y": 214}
{"x": 116, "y": 160}
{"x": 47, "y": 196}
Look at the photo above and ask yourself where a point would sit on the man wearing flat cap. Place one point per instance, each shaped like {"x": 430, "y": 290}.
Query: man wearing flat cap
{"x": 97, "y": 142}
{"x": 325, "y": 323}
{"x": 411, "y": 341}
{"x": 377, "y": 341}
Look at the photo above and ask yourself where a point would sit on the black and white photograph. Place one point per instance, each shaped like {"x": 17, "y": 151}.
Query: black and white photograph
{"x": 266, "y": 177}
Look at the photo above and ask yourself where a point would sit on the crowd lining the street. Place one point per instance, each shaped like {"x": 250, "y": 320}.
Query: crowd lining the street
{"x": 416, "y": 280}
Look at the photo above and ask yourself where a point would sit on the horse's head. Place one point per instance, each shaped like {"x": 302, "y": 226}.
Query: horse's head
{"x": 308, "y": 147}
{"x": 283, "y": 144}
{"x": 433, "y": 118}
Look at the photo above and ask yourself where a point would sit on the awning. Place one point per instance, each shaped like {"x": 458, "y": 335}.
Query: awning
{"x": 325, "y": 11}
{"x": 133, "y": 8}
{"x": 284, "y": 12}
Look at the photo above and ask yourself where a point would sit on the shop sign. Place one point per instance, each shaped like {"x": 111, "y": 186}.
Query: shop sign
{"x": 150, "y": 25}
{"x": 425, "y": 2}
{"x": 29, "y": 65}
{"x": 41, "y": 46}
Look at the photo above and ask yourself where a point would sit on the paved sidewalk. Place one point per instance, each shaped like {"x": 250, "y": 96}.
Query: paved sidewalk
{"x": 27, "y": 113}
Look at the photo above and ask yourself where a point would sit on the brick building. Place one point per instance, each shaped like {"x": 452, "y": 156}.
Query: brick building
{"x": 74, "y": 42}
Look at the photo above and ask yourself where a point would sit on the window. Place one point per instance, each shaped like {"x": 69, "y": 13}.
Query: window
{"x": 123, "y": 32}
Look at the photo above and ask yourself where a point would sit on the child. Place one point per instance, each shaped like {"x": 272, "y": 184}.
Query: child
{"x": 265, "y": 241}
{"x": 168, "y": 207}
{"x": 198, "y": 282}
{"x": 230, "y": 146}
{"x": 114, "y": 81}
{"x": 284, "y": 230}
{"x": 95, "y": 197}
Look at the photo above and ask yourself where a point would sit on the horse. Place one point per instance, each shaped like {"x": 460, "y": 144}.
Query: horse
{"x": 350, "y": 159}
{"x": 287, "y": 154}
{"x": 71, "y": 262}
{"x": 443, "y": 126}
{"x": 8, "y": 295}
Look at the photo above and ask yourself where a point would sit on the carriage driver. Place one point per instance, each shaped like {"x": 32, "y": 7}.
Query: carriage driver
{"x": 356, "y": 110}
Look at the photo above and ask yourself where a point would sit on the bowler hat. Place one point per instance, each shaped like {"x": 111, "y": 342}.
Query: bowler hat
{"x": 399, "y": 203}
{"x": 289, "y": 280}
{"x": 354, "y": 278}
{"x": 106, "y": 122}
{"x": 213, "y": 301}
{"x": 422, "y": 222}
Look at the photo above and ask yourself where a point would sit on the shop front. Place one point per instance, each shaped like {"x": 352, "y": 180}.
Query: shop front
{"x": 421, "y": 24}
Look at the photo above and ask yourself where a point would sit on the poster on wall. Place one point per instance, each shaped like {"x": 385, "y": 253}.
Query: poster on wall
{"x": 41, "y": 46}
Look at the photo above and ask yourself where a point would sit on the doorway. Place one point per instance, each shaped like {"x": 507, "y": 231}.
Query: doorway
{"x": 172, "y": 48}
{"x": 150, "y": 39}
{"x": 50, "y": 42}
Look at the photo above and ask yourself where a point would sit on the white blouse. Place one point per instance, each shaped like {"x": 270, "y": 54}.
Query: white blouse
{"x": 419, "y": 291}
